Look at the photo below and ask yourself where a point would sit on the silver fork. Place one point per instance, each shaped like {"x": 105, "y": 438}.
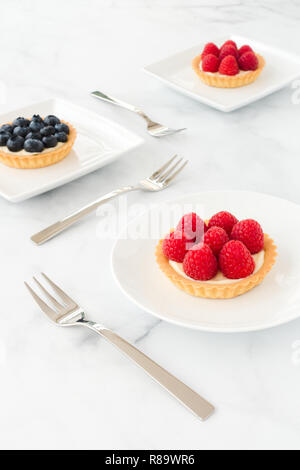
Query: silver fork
{"x": 66, "y": 312}
{"x": 154, "y": 128}
{"x": 156, "y": 182}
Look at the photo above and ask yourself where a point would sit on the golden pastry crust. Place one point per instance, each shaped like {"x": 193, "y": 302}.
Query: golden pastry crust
{"x": 40, "y": 160}
{"x": 230, "y": 81}
{"x": 216, "y": 290}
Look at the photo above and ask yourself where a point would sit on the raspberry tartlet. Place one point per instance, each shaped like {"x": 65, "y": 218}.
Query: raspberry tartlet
{"x": 228, "y": 66}
{"x": 227, "y": 258}
{"x": 36, "y": 142}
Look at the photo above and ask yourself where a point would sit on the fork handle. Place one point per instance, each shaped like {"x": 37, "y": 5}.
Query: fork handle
{"x": 188, "y": 397}
{"x": 122, "y": 104}
{"x": 58, "y": 227}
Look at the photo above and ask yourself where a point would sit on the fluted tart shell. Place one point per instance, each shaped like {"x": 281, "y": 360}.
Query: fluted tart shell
{"x": 228, "y": 81}
{"x": 217, "y": 290}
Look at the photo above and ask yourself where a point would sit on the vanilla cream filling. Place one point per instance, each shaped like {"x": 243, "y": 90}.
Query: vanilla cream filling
{"x": 220, "y": 278}
{"x": 24, "y": 153}
{"x": 241, "y": 72}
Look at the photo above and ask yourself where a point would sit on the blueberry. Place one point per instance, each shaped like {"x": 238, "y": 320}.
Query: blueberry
{"x": 36, "y": 126}
{"x": 48, "y": 130}
{"x": 61, "y": 137}
{"x": 4, "y": 136}
{"x": 33, "y": 145}
{"x": 34, "y": 135}
{"x": 15, "y": 143}
{"x": 37, "y": 117}
{"x": 6, "y": 128}
{"x": 62, "y": 128}
{"x": 22, "y": 131}
{"x": 20, "y": 121}
{"x": 51, "y": 120}
{"x": 50, "y": 141}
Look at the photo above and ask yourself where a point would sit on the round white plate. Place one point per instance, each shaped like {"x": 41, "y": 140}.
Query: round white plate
{"x": 274, "y": 302}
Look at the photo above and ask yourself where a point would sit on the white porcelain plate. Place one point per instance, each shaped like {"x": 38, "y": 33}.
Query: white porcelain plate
{"x": 274, "y": 302}
{"x": 176, "y": 71}
{"x": 98, "y": 142}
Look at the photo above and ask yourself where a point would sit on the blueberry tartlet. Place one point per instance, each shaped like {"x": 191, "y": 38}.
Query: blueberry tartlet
{"x": 36, "y": 142}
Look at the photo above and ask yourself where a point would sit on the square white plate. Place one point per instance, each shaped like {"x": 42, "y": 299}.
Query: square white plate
{"x": 98, "y": 142}
{"x": 176, "y": 71}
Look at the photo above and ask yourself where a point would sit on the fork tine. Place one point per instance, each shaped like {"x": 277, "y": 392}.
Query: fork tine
{"x": 60, "y": 292}
{"x": 168, "y": 172}
{"x": 43, "y": 306}
{"x": 163, "y": 168}
{"x": 56, "y": 304}
{"x": 168, "y": 180}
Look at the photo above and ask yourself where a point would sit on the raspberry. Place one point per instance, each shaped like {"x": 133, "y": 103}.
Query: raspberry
{"x": 192, "y": 227}
{"x": 229, "y": 66}
{"x": 210, "y": 63}
{"x": 200, "y": 263}
{"x": 244, "y": 49}
{"x": 235, "y": 260}
{"x": 229, "y": 43}
{"x": 174, "y": 246}
{"x": 215, "y": 238}
{"x": 250, "y": 233}
{"x": 210, "y": 48}
{"x": 228, "y": 50}
{"x": 248, "y": 61}
{"x": 224, "y": 220}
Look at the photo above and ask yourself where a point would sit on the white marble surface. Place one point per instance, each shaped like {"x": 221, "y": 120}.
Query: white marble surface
{"x": 69, "y": 389}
